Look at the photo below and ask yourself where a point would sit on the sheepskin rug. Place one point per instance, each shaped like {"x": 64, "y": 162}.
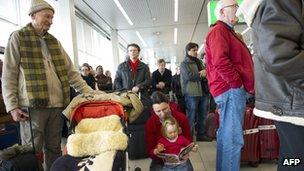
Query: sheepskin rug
{"x": 95, "y": 136}
{"x": 107, "y": 123}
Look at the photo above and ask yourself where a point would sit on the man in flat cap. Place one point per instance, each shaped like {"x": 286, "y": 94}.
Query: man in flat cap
{"x": 37, "y": 74}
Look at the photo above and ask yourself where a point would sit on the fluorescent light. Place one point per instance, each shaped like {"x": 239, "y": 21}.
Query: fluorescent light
{"x": 175, "y": 35}
{"x": 175, "y": 10}
{"x": 201, "y": 48}
{"x": 123, "y": 12}
{"x": 141, "y": 39}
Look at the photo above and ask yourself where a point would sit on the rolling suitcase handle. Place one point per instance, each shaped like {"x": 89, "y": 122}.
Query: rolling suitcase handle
{"x": 31, "y": 130}
{"x": 39, "y": 156}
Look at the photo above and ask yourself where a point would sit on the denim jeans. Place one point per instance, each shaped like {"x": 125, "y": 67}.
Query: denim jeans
{"x": 197, "y": 108}
{"x": 187, "y": 166}
{"x": 156, "y": 165}
{"x": 231, "y": 105}
{"x": 159, "y": 166}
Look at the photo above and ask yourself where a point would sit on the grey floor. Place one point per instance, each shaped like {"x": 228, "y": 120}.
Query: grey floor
{"x": 204, "y": 160}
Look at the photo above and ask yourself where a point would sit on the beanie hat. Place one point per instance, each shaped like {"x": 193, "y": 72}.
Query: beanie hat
{"x": 38, "y": 5}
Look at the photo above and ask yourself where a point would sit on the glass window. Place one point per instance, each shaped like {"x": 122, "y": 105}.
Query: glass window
{"x": 122, "y": 54}
{"x": 93, "y": 47}
{"x": 80, "y": 34}
{"x": 6, "y": 29}
{"x": 8, "y": 20}
{"x": 8, "y": 11}
{"x": 24, "y": 6}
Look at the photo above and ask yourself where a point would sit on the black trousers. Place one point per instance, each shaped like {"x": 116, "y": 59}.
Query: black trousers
{"x": 291, "y": 146}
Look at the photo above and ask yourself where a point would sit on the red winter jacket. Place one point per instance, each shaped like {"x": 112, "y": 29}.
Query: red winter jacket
{"x": 153, "y": 130}
{"x": 229, "y": 62}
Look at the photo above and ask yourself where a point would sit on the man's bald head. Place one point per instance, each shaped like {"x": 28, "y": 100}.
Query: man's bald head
{"x": 225, "y": 11}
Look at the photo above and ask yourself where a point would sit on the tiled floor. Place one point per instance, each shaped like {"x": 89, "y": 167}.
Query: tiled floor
{"x": 204, "y": 160}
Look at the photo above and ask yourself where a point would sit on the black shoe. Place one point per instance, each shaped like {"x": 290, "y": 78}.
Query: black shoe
{"x": 137, "y": 169}
{"x": 204, "y": 138}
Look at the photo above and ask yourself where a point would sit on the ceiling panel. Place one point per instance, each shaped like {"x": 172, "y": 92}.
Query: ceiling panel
{"x": 138, "y": 12}
{"x": 163, "y": 11}
{"x": 158, "y": 33}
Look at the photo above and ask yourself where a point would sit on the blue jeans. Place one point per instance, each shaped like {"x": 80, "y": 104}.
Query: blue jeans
{"x": 159, "y": 166}
{"x": 197, "y": 108}
{"x": 231, "y": 105}
{"x": 187, "y": 166}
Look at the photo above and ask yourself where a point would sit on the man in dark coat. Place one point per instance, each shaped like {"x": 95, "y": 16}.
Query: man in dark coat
{"x": 133, "y": 74}
{"x": 161, "y": 78}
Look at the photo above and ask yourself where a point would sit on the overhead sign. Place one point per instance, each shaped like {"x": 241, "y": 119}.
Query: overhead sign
{"x": 211, "y": 12}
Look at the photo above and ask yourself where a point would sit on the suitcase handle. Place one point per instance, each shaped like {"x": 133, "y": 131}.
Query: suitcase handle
{"x": 27, "y": 110}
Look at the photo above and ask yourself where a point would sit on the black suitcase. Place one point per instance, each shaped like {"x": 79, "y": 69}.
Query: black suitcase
{"x": 136, "y": 145}
{"x": 143, "y": 117}
{"x": 136, "y": 131}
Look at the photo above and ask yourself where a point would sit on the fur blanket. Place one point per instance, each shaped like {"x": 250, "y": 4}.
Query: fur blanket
{"x": 126, "y": 99}
{"x": 107, "y": 123}
{"x": 80, "y": 145}
{"x": 98, "y": 138}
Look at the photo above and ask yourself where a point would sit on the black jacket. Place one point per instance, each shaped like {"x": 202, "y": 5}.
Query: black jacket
{"x": 90, "y": 80}
{"x": 166, "y": 78}
{"x": 124, "y": 81}
{"x": 278, "y": 39}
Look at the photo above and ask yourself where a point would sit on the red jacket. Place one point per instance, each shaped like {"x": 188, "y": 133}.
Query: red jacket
{"x": 153, "y": 130}
{"x": 229, "y": 62}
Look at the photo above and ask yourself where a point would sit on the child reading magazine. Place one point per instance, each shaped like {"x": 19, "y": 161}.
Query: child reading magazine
{"x": 173, "y": 148}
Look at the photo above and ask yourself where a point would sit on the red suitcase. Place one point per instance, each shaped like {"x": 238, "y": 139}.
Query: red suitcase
{"x": 212, "y": 124}
{"x": 269, "y": 140}
{"x": 250, "y": 152}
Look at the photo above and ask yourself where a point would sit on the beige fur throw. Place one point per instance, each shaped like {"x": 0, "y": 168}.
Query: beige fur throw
{"x": 80, "y": 145}
{"x": 107, "y": 123}
{"x": 95, "y": 136}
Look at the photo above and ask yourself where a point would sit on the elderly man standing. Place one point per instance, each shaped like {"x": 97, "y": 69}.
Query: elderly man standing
{"x": 230, "y": 76}
{"x": 37, "y": 73}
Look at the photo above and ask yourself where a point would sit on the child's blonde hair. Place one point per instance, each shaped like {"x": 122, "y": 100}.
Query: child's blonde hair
{"x": 169, "y": 120}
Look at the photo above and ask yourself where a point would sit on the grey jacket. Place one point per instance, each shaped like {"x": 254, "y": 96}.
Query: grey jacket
{"x": 190, "y": 78}
{"x": 124, "y": 81}
{"x": 278, "y": 39}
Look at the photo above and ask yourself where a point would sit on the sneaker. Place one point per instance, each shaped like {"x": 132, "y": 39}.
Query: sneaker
{"x": 204, "y": 138}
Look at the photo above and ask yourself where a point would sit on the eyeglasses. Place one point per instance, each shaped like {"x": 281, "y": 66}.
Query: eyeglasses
{"x": 232, "y": 5}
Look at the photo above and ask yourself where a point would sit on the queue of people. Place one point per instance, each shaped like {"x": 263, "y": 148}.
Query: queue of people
{"x": 38, "y": 73}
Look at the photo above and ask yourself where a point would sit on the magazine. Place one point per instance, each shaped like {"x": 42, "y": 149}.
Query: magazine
{"x": 176, "y": 159}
